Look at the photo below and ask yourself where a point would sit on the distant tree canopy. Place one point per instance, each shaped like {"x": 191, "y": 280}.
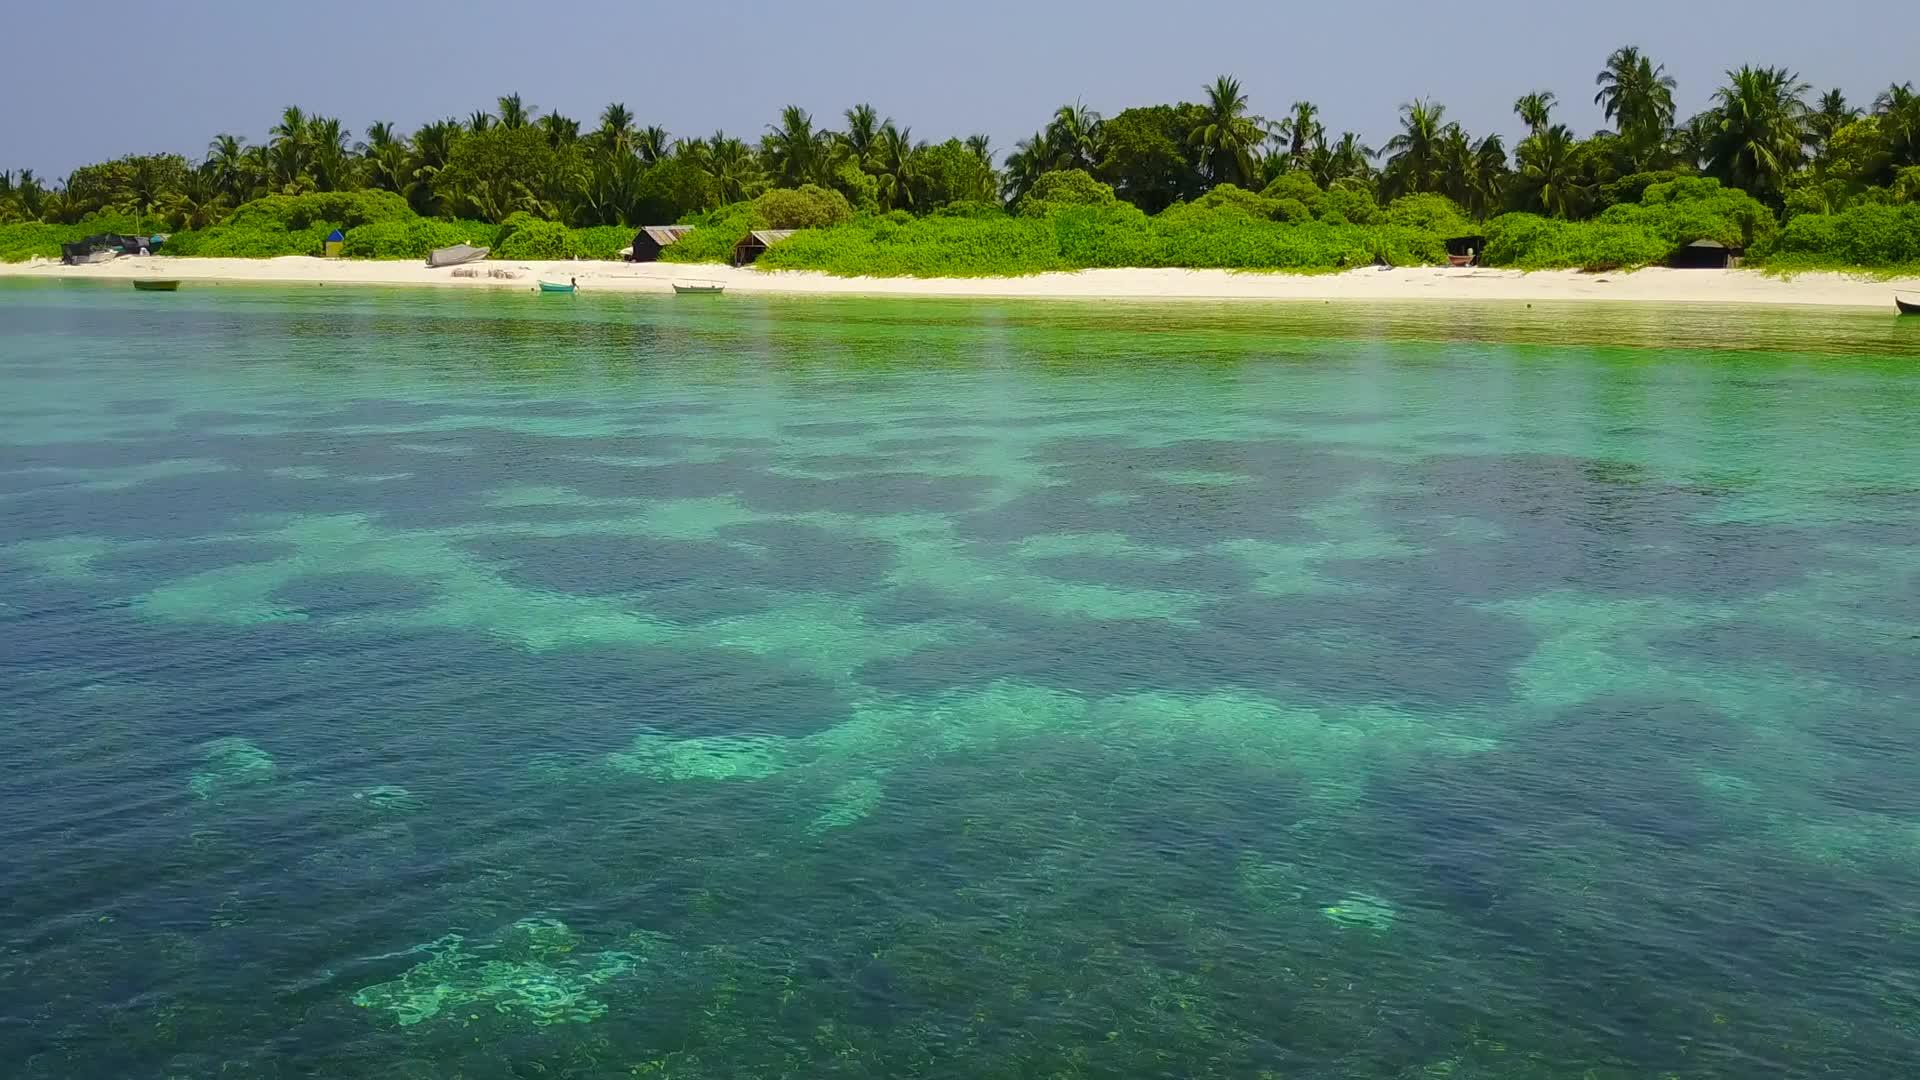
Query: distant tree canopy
{"x": 1767, "y": 138}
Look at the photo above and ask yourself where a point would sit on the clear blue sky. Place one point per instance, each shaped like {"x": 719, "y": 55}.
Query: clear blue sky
{"x": 945, "y": 69}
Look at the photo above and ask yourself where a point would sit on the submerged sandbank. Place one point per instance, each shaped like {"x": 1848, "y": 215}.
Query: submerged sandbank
{"x": 1408, "y": 283}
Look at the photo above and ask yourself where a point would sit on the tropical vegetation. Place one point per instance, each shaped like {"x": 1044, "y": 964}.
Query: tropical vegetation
{"x": 1793, "y": 179}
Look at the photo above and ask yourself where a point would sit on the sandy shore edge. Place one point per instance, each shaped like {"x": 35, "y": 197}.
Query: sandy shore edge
{"x": 1412, "y": 283}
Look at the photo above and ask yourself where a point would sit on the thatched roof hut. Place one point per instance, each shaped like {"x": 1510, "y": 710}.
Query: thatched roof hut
{"x": 648, "y": 242}
{"x": 1705, "y": 255}
{"x": 756, "y": 243}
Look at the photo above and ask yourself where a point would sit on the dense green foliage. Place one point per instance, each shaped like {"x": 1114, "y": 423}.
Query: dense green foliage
{"x": 1876, "y": 237}
{"x": 1531, "y": 242}
{"x": 23, "y": 240}
{"x": 413, "y": 239}
{"x": 1763, "y": 156}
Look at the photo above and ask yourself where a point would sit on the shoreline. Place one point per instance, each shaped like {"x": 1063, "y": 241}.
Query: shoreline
{"x": 1652, "y": 285}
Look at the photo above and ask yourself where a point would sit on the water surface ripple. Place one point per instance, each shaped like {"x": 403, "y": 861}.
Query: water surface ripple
{"x": 408, "y": 685}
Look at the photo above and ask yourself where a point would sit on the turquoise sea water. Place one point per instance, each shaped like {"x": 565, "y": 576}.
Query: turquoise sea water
{"x": 423, "y": 685}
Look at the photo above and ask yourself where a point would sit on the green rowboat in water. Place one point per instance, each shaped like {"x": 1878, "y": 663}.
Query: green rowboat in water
{"x": 548, "y": 286}
{"x": 157, "y": 286}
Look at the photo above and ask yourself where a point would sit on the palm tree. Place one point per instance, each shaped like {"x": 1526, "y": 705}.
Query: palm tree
{"x": 288, "y": 149}
{"x": 1692, "y": 141}
{"x": 982, "y": 148}
{"x": 1637, "y": 95}
{"x": 1761, "y": 136}
{"x": 1227, "y": 134}
{"x": 197, "y": 205}
{"x": 894, "y": 168}
{"x": 30, "y": 196}
{"x": 327, "y": 152}
{"x": 796, "y": 154}
{"x": 225, "y": 166}
{"x": 615, "y": 134}
{"x": 560, "y": 130}
{"x": 479, "y": 120}
{"x": 1487, "y": 192}
{"x": 1030, "y": 158}
{"x": 1415, "y": 164}
{"x": 1458, "y": 166}
{"x": 728, "y": 163}
{"x": 1300, "y": 130}
{"x": 432, "y": 146}
{"x": 1548, "y": 171}
{"x": 1536, "y": 111}
{"x": 651, "y": 144}
{"x": 384, "y": 158}
{"x": 861, "y": 141}
{"x": 610, "y": 194}
{"x": 1830, "y": 115}
{"x": 1348, "y": 159}
{"x": 1898, "y": 109}
{"x": 1075, "y": 135}
{"x": 514, "y": 113}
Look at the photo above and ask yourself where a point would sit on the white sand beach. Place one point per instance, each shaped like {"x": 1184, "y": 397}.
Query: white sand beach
{"x": 1411, "y": 283}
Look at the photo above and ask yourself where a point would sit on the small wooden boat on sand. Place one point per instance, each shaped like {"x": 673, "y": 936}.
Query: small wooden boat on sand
{"x": 554, "y": 286}
{"x": 699, "y": 288}
{"x": 1907, "y": 307}
{"x": 150, "y": 285}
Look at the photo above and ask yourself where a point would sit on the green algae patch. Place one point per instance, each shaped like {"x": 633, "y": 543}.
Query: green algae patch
{"x": 849, "y": 803}
{"x": 390, "y": 799}
{"x": 533, "y": 972}
{"x": 1362, "y": 910}
{"x": 720, "y": 757}
{"x": 231, "y": 763}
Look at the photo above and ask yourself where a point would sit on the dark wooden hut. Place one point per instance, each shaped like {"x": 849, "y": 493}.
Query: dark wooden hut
{"x": 1705, "y": 255}
{"x": 651, "y": 238}
{"x": 755, "y": 244}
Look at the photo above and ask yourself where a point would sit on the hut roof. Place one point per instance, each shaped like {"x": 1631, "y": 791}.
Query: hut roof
{"x": 770, "y": 237}
{"x": 1714, "y": 245}
{"x": 666, "y": 234}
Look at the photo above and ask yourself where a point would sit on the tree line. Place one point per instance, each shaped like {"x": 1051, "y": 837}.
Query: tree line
{"x": 1764, "y": 133}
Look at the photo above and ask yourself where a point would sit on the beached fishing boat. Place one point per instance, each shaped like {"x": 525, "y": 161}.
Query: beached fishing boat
{"x": 157, "y": 286}
{"x": 701, "y": 288}
{"x": 455, "y": 255}
{"x": 1907, "y": 307}
{"x": 551, "y": 286}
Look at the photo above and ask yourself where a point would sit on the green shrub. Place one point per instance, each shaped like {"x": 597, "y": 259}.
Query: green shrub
{"x": 806, "y": 207}
{"x": 969, "y": 209}
{"x": 335, "y": 209}
{"x": 939, "y": 246}
{"x": 413, "y": 239}
{"x": 1291, "y": 210}
{"x": 1343, "y": 204}
{"x": 230, "y": 241}
{"x": 513, "y": 223}
{"x": 1873, "y": 237}
{"x": 601, "y": 241}
{"x": 860, "y": 188}
{"x": 1690, "y": 208}
{"x": 20, "y": 241}
{"x": 1432, "y": 213}
{"x": 1230, "y": 196}
{"x": 537, "y": 239}
{"x": 1294, "y": 185}
{"x": 1073, "y": 237}
{"x": 713, "y": 236}
{"x": 1629, "y": 189}
{"x": 1064, "y": 187}
{"x": 1531, "y": 242}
